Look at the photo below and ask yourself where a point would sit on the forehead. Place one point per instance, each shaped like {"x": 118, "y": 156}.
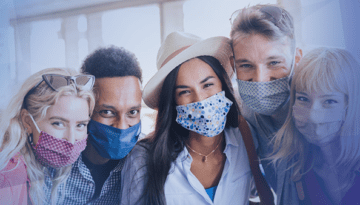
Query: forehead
{"x": 70, "y": 108}
{"x": 194, "y": 71}
{"x": 257, "y": 47}
{"x": 115, "y": 90}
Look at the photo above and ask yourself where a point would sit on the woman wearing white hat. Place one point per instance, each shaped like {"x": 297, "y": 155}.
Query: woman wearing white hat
{"x": 196, "y": 154}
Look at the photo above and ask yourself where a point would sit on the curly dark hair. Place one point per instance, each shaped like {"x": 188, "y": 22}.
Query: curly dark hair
{"x": 112, "y": 62}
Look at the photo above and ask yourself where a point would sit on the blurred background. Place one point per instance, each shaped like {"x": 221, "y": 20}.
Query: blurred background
{"x": 38, "y": 34}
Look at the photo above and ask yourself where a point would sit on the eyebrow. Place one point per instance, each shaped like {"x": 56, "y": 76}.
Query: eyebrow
{"x": 330, "y": 95}
{"x": 58, "y": 118}
{"x": 67, "y": 121}
{"x": 275, "y": 57}
{"x": 206, "y": 79}
{"x": 242, "y": 61}
{"x": 201, "y": 82}
{"x": 302, "y": 93}
{"x": 108, "y": 106}
{"x": 136, "y": 107}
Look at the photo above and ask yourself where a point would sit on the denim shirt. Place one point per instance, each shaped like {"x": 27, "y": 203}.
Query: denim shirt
{"x": 182, "y": 187}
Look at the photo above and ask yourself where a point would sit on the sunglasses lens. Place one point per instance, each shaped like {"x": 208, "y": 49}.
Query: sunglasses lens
{"x": 234, "y": 16}
{"x": 56, "y": 81}
{"x": 85, "y": 81}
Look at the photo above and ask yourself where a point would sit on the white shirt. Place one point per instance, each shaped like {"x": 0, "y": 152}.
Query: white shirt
{"x": 182, "y": 187}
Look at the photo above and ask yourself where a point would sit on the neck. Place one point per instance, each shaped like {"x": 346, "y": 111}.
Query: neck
{"x": 93, "y": 156}
{"x": 329, "y": 152}
{"x": 205, "y": 145}
{"x": 280, "y": 115}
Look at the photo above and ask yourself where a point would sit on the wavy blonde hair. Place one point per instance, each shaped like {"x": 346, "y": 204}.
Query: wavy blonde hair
{"x": 323, "y": 69}
{"x": 13, "y": 135}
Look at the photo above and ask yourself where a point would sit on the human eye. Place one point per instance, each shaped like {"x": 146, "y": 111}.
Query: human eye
{"x": 82, "y": 125}
{"x": 58, "y": 124}
{"x": 134, "y": 113}
{"x": 273, "y": 63}
{"x": 107, "y": 113}
{"x": 208, "y": 85}
{"x": 183, "y": 92}
{"x": 302, "y": 98}
{"x": 330, "y": 101}
{"x": 245, "y": 66}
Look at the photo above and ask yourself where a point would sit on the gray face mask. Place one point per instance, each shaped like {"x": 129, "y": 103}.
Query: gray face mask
{"x": 265, "y": 97}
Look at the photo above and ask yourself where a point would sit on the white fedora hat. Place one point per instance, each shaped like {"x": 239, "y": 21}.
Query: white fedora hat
{"x": 179, "y": 47}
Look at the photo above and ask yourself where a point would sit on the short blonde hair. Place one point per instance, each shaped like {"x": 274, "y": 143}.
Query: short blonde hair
{"x": 258, "y": 20}
{"x": 323, "y": 69}
{"x": 13, "y": 135}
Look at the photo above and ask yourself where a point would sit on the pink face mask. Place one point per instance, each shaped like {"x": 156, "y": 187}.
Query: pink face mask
{"x": 54, "y": 152}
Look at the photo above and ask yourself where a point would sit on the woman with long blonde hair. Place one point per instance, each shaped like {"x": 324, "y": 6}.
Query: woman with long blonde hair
{"x": 320, "y": 140}
{"x": 42, "y": 132}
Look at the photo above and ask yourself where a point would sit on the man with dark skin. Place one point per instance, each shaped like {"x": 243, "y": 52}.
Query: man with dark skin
{"x": 113, "y": 130}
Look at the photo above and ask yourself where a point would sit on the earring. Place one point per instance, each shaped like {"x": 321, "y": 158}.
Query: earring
{"x": 30, "y": 138}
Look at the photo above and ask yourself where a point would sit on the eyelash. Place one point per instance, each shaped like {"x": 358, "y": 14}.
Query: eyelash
{"x": 245, "y": 66}
{"x": 82, "y": 124}
{"x": 302, "y": 99}
{"x": 331, "y": 100}
{"x": 104, "y": 113}
{"x": 273, "y": 63}
{"x": 137, "y": 111}
{"x": 57, "y": 123}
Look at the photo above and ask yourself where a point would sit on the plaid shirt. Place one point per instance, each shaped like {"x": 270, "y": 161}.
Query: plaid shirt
{"x": 80, "y": 186}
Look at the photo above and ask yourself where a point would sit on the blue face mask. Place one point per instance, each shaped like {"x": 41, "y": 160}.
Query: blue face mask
{"x": 111, "y": 142}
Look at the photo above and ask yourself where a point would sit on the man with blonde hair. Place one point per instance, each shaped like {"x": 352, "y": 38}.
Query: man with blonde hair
{"x": 265, "y": 53}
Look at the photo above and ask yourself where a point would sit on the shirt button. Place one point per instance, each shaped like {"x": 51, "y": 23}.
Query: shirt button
{"x": 91, "y": 185}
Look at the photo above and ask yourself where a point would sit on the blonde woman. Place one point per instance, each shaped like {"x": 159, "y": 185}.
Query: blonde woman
{"x": 42, "y": 132}
{"x": 320, "y": 140}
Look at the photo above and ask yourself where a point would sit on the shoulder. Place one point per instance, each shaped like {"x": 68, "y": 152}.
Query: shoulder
{"x": 134, "y": 174}
{"x": 234, "y": 132}
{"x": 137, "y": 158}
{"x": 248, "y": 114}
{"x": 14, "y": 173}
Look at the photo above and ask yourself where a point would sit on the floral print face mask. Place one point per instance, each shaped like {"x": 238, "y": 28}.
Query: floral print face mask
{"x": 206, "y": 117}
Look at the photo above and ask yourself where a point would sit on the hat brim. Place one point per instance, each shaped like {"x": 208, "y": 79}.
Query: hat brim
{"x": 218, "y": 47}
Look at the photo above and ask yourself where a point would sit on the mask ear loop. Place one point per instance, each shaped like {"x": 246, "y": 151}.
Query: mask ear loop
{"x": 293, "y": 64}
{"x": 34, "y": 123}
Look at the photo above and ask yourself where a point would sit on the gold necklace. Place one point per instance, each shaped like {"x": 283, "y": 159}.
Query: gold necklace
{"x": 203, "y": 154}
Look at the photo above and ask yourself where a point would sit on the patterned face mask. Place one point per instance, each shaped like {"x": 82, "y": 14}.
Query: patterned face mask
{"x": 265, "y": 97}
{"x": 207, "y": 117}
{"x": 53, "y": 152}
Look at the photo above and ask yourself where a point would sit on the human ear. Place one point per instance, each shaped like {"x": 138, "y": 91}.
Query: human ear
{"x": 231, "y": 58}
{"x": 26, "y": 121}
{"x": 298, "y": 55}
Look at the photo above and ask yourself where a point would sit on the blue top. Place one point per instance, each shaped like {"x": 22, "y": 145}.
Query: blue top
{"x": 211, "y": 192}
{"x": 182, "y": 187}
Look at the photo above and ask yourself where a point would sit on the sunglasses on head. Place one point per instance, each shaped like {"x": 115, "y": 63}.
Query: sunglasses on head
{"x": 272, "y": 13}
{"x": 55, "y": 82}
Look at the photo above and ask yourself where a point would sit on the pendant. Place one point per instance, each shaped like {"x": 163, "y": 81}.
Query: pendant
{"x": 205, "y": 158}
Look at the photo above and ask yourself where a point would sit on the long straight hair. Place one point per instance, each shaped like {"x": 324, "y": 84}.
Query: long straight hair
{"x": 169, "y": 137}
{"x": 323, "y": 69}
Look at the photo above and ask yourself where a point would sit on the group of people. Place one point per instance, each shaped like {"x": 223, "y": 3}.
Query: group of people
{"x": 290, "y": 128}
